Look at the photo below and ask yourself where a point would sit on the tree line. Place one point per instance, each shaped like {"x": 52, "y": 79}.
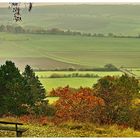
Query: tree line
{"x": 72, "y": 75}
{"x": 107, "y": 67}
{"x": 57, "y": 31}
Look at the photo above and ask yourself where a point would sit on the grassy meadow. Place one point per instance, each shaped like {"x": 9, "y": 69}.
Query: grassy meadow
{"x": 75, "y": 82}
{"x": 68, "y": 130}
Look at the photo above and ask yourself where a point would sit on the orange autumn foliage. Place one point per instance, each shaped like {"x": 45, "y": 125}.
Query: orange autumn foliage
{"x": 31, "y": 119}
{"x": 62, "y": 91}
{"x": 78, "y": 105}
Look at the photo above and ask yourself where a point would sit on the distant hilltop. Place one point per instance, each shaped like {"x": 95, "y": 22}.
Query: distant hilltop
{"x": 3, "y": 5}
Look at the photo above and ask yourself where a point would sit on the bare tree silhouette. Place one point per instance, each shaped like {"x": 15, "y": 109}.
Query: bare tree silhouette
{"x": 16, "y": 8}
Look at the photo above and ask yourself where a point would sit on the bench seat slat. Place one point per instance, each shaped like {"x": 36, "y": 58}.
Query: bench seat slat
{"x": 13, "y": 129}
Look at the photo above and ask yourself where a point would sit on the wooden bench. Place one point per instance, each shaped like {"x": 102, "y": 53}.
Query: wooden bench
{"x": 19, "y": 131}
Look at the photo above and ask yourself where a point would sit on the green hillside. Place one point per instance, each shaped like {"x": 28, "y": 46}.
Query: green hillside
{"x": 61, "y": 51}
{"x": 117, "y": 19}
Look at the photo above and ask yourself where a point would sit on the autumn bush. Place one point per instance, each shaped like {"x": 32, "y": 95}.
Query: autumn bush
{"x": 43, "y": 109}
{"x": 79, "y": 105}
{"x": 27, "y": 119}
{"x": 117, "y": 93}
{"x": 135, "y": 118}
{"x": 33, "y": 119}
{"x": 135, "y": 114}
{"x": 62, "y": 91}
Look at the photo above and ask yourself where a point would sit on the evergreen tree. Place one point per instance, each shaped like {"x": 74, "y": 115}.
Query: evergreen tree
{"x": 10, "y": 88}
{"x": 35, "y": 90}
{"x": 17, "y": 90}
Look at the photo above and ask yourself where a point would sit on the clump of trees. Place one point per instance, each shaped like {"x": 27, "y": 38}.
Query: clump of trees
{"x": 118, "y": 94}
{"x": 19, "y": 92}
{"x": 107, "y": 67}
{"x": 12, "y": 29}
{"x": 109, "y": 101}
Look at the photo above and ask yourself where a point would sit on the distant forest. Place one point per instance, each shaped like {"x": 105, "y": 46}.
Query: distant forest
{"x": 57, "y": 31}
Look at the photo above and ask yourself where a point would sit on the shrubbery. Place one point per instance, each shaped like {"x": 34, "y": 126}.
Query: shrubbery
{"x": 135, "y": 114}
{"x": 108, "y": 102}
{"x": 57, "y": 75}
{"x": 111, "y": 100}
{"x": 62, "y": 91}
{"x": 117, "y": 93}
{"x": 80, "y": 105}
{"x": 43, "y": 109}
{"x": 32, "y": 119}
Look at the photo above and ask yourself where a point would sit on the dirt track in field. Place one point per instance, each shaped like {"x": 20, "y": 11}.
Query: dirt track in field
{"x": 39, "y": 63}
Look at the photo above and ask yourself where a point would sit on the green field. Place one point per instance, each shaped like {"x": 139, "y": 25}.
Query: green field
{"x": 77, "y": 82}
{"x": 135, "y": 71}
{"x": 117, "y": 19}
{"x": 59, "y": 51}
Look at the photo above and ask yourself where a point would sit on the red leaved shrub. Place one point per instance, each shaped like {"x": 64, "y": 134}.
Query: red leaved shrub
{"x": 79, "y": 105}
{"x": 42, "y": 120}
{"x": 62, "y": 91}
{"x": 27, "y": 118}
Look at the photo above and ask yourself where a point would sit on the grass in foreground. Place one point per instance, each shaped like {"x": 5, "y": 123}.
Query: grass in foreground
{"x": 71, "y": 130}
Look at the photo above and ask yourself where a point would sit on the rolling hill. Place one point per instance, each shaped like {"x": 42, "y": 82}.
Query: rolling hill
{"x": 117, "y": 19}
{"x": 63, "y": 51}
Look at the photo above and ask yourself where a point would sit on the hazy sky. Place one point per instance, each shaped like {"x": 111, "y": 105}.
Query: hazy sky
{"x": 3, "y": 4}
{"x": 41, "y": 4}
{"x": 35, "y": 4}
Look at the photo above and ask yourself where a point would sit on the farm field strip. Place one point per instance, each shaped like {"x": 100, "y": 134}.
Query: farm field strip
{"x": 75, "y": 82}
{"x": 135, "y": 71}
{"x": 50, "y": 83}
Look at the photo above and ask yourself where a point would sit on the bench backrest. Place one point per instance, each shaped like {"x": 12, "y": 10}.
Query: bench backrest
{"x": 6, "y": 122}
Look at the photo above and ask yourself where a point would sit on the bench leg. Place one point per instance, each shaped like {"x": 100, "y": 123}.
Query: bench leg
{"x": 19, "y": 134}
